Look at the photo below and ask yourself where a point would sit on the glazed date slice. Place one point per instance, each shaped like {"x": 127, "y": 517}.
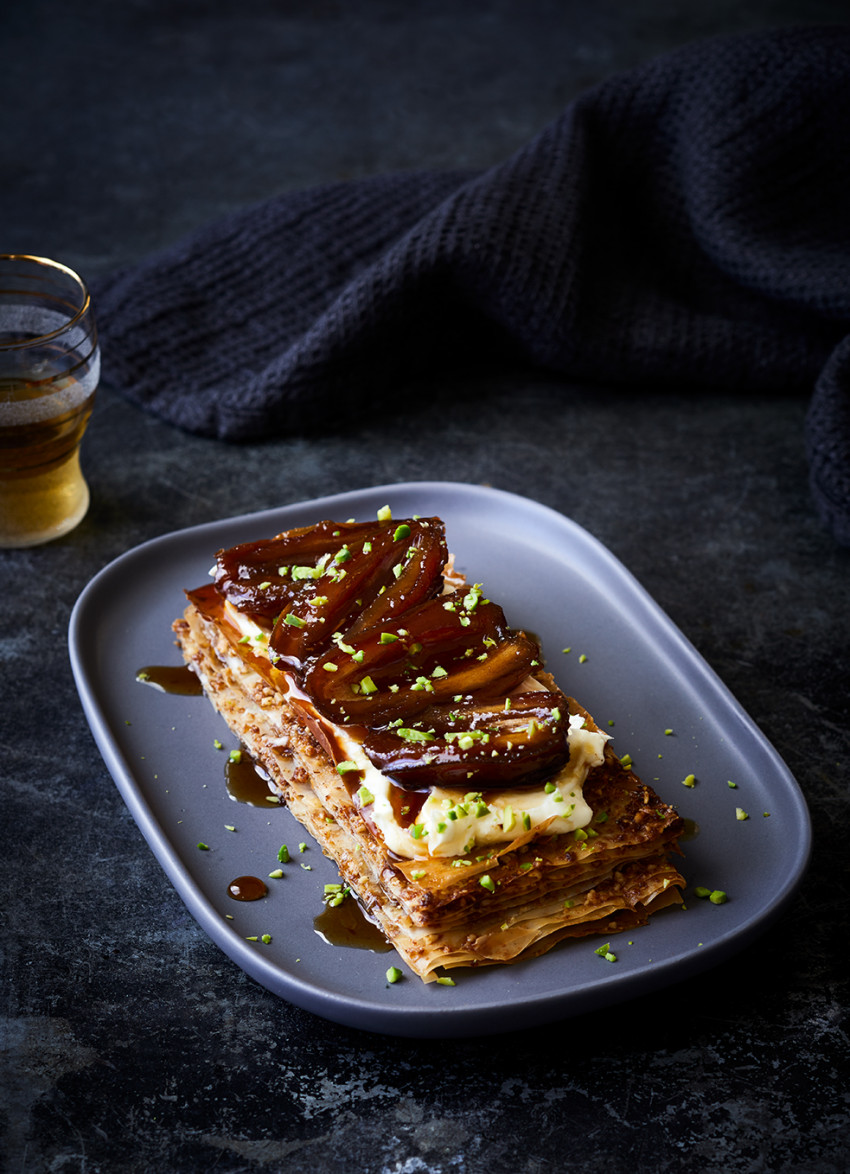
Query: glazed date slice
{"x": 256, "y": 577}
{"x": 319, "y": 580}
{"x": 513, "y": 747}
{"x": 453, "y": 645}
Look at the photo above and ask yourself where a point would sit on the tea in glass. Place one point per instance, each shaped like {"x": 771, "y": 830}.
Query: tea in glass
{"x": 49, "y": 372}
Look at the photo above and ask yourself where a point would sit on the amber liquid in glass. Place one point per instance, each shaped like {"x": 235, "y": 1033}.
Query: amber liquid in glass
{"x": 42, "y": 490}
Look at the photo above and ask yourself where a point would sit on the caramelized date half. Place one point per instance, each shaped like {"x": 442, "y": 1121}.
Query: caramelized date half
{"x": 332, "y": 576}
{"x": 503, "y": 747}
{"x": 451, "y": 645}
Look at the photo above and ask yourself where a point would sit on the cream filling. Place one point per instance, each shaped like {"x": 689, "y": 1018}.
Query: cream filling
{"x": 451, "y": 822}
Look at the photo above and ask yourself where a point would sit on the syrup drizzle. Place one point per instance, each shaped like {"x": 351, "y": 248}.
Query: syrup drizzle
{"x": 247, "y": 888}
{"x": 347, "y": 925}
{"x": 171, "y": 678}
{"x": 246, "y": 784}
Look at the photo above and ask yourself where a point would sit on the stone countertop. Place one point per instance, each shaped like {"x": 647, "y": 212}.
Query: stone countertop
{"x": 131, "y": 1043}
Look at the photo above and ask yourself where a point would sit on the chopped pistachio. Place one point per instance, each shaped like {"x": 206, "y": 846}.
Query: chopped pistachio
{"x": 365, "y": 796}
{"x": 293, "y": 620}
{"x": 385, "y": 514}
{"x": 277, "y": 874}
{"x": 689, "y": 781}
{"x": 393, "y": 974}
{"x": 444, "y": 980}
{"x": 718, "y": 897}
{"x": 204, "y": 847}
{"x": 487, "y": 882}
{"x": 740, "y": 814}
{"x": 347, "y": 765}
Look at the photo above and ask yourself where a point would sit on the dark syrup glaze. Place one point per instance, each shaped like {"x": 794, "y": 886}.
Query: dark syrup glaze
{"x": 245, "y": 783}
{"x": 247, "y": 888}
{"x": 171, "y": 678}
{"x": 347, "y": 925}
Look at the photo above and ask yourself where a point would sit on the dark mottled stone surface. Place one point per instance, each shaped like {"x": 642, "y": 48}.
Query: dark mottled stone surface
{"x": 130, "y": 1043}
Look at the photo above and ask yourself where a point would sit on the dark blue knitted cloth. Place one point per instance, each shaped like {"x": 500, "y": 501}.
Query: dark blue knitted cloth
{"x": 686, "y": 224}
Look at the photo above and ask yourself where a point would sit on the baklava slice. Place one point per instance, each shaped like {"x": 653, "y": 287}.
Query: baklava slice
{"x": 478, "y": 814}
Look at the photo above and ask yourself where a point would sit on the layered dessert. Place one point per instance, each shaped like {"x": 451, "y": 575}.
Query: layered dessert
{"x": 476, "y": 812}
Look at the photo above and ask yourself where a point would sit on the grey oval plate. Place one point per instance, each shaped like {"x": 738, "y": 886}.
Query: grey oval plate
{"x": 640, "y": 672}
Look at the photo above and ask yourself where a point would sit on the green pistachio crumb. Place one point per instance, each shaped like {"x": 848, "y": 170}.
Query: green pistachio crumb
{"x": 582, "y": 658}
{"x": 605, "y": 952}
{"x": 277, "y": 874}
{"x": 689, "y": 781}
{"x": 740, "y": 814}
{"x": 365, "y": 797}
{"x": 444, "y": 980}
{"x": 718, "y": 897}
{"x": 235, "y": 755}
{"x": 385, "y": 514}
{"x": 487, "y": 882}
{"x": 394, "y": 974}
{"x": 729, "y": 783}
{"x": 204, "y": 847}
{"x": 266, "y": 938}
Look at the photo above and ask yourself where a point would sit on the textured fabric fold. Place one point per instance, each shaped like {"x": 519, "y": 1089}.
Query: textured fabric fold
{"x": 685, "y": 224}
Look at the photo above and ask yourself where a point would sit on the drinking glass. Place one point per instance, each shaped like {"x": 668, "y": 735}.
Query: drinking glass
{"x": 49, "y": 372}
